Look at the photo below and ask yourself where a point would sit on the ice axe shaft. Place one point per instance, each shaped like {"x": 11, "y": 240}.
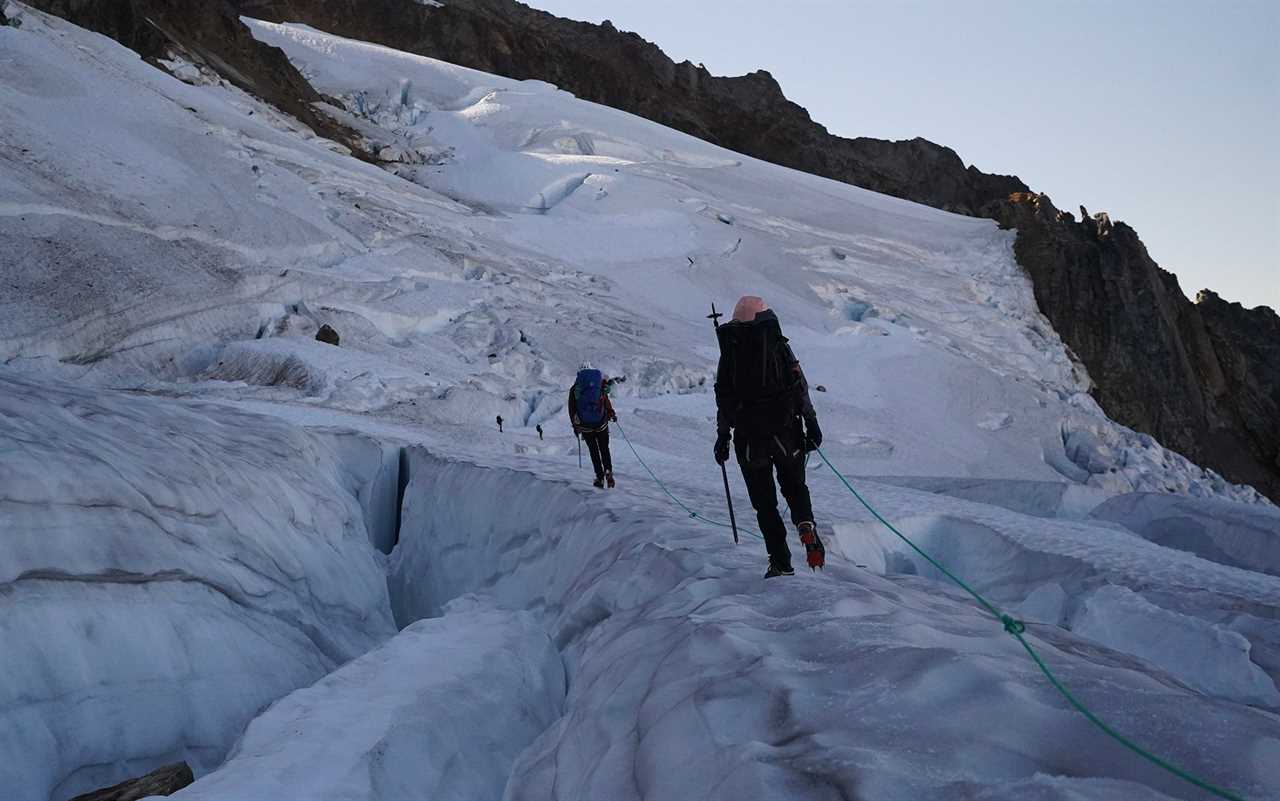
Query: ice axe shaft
{"x": 733, "y": 521}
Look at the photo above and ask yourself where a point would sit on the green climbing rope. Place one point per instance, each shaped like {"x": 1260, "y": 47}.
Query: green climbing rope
{"x": 677, "y": 501}
{"x": 1016, "y": 628}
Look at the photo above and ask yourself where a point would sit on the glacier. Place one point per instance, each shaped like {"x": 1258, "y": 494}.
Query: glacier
{"x": 442, "y": 710}
{"x": 322, "y": 571}
{"x": 170, "y": 569}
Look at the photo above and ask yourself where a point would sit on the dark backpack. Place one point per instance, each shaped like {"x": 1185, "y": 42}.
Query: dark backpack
{"x": 590, "y": 397}
{"x": 759, "y": 382}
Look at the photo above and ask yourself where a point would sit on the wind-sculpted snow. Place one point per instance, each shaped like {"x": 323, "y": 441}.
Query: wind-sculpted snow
{"x": 691, "y": 678}
{"x": 1206, "y": 624}
{"x": 1207, "y": 656}
{"x": 168, "y": 571}
{"x": 1038, "y": 498}
{"x": 1247, "y": 537}
{"x": 439, "y": 712}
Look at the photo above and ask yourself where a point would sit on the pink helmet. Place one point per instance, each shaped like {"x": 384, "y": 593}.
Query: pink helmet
{"x": 748, "y": 307}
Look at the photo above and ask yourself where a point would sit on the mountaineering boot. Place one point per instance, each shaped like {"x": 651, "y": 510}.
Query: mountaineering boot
{"x": 598, "y": 483}
{"x": 814, "y": 552}
{"x": 774, "y": 570}
{"x": 608, "y": 478}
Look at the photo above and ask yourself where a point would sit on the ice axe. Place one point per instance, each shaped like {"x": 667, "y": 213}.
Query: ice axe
{"x": 714, "y": 317}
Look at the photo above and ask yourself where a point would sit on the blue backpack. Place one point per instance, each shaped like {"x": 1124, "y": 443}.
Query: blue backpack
{"x": 590, "y": 386}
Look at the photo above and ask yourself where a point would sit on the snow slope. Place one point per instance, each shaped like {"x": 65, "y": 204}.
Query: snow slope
{"x": 171, "y": 249}
{"x": 440, "y": 711}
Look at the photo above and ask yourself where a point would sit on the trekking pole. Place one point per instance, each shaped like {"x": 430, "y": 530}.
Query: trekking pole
{"x": 579, "y": 438}
{"x": 715, "y": 316}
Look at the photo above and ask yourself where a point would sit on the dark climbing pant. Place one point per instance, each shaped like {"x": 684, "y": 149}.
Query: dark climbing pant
{"x": 759, "y": 460}
{"x": 598, "y": 447}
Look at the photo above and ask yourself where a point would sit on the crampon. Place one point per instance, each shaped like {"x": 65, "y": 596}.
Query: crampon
{"x": 814, "y": 552}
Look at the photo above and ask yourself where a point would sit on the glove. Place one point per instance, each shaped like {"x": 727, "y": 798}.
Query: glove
{"x": 722, "y": 447}
{"x": 812, "y": 434}
{"x": 613, "y": 417}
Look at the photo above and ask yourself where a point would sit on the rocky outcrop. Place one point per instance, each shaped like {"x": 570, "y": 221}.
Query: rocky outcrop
{"x": 1203, "y": 378}
{"x": 159, "y": 782}
{"x": 1246, "y": 343}
{"x": 211, "y": 34}
{"x": 748, "y": 114}
{"x": 327, "y": 335}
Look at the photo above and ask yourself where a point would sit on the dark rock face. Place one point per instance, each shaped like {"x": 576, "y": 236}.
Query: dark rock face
{"x": 748, "y": 114}
{"x": 162, "y": 781}
{"x": 1247, "y": 345}
{"x": 208, "y": 33}
{"x": 1203, "y": 378}
{"x": 327, "y": 335}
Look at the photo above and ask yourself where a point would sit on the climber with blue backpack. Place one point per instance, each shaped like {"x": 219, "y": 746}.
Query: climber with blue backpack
{"x": 590, "y": 413}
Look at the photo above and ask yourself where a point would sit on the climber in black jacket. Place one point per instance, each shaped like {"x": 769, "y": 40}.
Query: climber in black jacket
{"x": 762, "y": 402}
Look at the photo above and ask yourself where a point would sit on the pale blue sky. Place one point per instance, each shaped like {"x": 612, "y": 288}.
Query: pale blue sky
{"x": 1164, "y": 114}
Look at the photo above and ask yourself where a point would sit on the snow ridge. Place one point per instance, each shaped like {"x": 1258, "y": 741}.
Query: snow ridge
{"x": 749, "y": 682}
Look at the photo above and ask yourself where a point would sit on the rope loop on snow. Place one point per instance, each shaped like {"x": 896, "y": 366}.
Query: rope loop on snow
{"x": 692, "y": 514}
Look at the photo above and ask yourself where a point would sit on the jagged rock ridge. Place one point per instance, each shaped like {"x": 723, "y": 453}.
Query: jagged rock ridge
{"x": 1203, "y": 378}
{"x": 209, "y": 34}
